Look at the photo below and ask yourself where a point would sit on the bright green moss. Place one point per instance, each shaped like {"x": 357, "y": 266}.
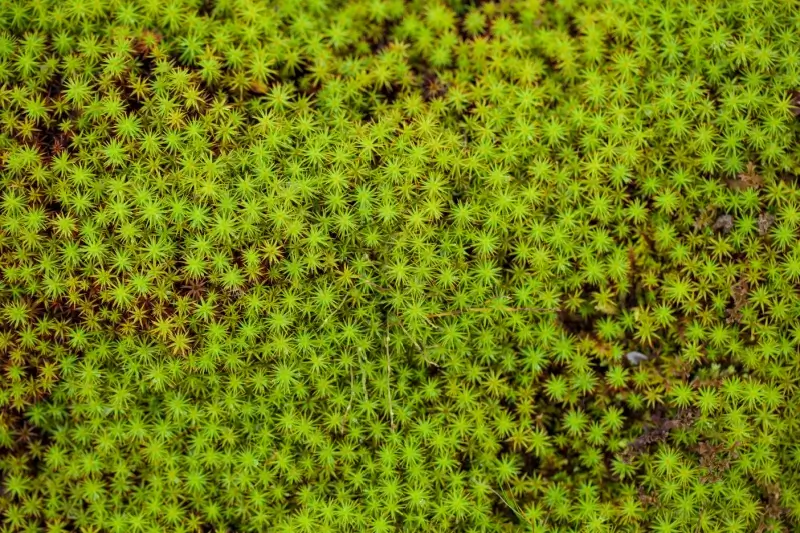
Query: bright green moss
{"x": 381, "y": 266}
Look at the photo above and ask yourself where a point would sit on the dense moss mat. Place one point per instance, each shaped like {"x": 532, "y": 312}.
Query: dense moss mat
{"x": 383, "y": 266}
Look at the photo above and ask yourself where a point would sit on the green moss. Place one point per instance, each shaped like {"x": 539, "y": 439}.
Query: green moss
{"x": 310, "y": 266}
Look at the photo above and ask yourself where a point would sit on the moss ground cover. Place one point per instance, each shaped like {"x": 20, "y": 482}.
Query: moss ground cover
{"x": 386, "y": 265}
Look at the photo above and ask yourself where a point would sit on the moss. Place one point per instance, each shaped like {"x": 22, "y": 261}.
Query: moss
{"x": 385, "y": 265}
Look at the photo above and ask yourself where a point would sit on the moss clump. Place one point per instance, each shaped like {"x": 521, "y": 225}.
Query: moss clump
{"x": 380, "y": 265}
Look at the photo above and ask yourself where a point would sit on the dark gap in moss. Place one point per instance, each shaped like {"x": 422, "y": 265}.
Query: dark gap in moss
{"x": 576, "y": 324}
{"x": 206, "y": 8}
{"x": 145, "y": 63}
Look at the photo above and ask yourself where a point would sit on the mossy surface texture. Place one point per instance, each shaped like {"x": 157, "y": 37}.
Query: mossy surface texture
{"x": 384, "y": 265}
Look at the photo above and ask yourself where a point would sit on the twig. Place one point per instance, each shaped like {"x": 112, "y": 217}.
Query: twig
{"x": 333, "y": 312}
{"x": 416, "y": 344}
{"x": 490, "y": 309}
{"x": 352, "y": 389}
{"x": 514, "y": 508}
{"x": 400, "y": 323}
{"x": 364, "y": 382}
{"x": 389, "y": 382}
{"x": 371, "y": 283}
